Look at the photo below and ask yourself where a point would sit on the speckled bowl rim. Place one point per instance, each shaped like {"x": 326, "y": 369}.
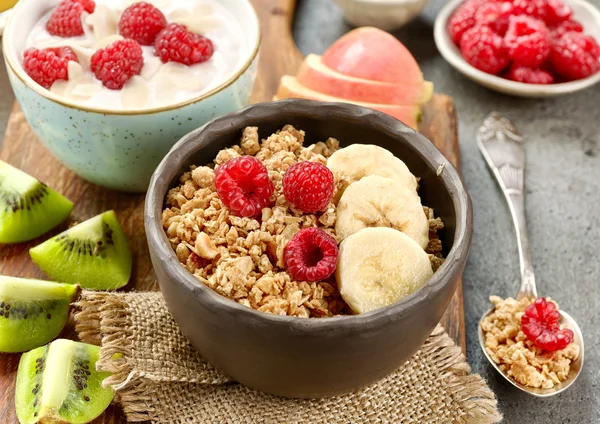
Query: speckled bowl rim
{"x": 448, "y": 51}
{"x": 19, "y": 72}
{"x": 171, "y": 166}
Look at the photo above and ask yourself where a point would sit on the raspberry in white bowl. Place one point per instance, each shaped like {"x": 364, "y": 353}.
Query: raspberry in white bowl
{"x": 129, "y": 55}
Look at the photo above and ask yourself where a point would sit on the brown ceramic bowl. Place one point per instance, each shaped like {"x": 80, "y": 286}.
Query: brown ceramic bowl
{"x": 310, "y": 357}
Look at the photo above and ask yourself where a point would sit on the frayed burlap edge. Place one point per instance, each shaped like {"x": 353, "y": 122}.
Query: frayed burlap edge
{"x": 104, "y": 319}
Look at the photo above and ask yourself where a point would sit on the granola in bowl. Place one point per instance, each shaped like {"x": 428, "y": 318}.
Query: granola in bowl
{"x": 522, "y": 353}
{"x": 247, "y": 258}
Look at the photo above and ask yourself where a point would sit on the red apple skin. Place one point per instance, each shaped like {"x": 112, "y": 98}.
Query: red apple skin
{"x": 290, "y": 88}
{"x": 372, "y": 54}
{"x": 315, "y": 75}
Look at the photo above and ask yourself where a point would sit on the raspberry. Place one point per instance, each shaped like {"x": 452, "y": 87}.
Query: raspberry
{"x": 535, "y": 8}
{"x": 528, "y": 41}
{"x": 65, "y": 20}
{"x": 484, "y": 49}
{"x": 142, "y": 22}
{"x": 564, "y": 27}
{"x": 494, "y": 15}
{"x": 557, "y": 12}
{"x": 311, "y": 255}
{"x": 48, "y": 65}
{"x": 308, "y": 186}
{"x": 576, "y": 56}
{"x": 527, "y": 75}
{"x": 243, "y": 185}
{"x": 117, "y": 63}
{"x": 176, "y": 44}
{"x": 463, "y": 19}
{"x": 540, "y": 323}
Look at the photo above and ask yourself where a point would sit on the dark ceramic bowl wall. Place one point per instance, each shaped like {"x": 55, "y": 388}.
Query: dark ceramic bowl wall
{"x": 309, "y": 357}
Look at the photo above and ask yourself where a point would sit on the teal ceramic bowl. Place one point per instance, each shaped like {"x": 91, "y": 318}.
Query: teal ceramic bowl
{"x": 120, "y": 149}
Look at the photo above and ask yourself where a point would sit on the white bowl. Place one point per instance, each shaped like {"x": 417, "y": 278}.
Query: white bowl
{"x": 583, "y": 11}
{"x": 387, "y": 15}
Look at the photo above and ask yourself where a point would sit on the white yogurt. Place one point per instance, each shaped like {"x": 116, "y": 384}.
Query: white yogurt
{"x": 159, "y": 84}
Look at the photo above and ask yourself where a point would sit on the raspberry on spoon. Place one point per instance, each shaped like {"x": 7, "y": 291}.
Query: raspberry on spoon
{"x": 308, "y": 186}
{"x": 243, "y": 185}
{"x": 540, "y": 323}
{"x": 117, "y": 63}
{"x": 176, "y": 44}
{"x": 142, "y": 22}
{"x": 65, "y": 20}
{"x": 49, "y": 65}
{"x": 311, "y": 255}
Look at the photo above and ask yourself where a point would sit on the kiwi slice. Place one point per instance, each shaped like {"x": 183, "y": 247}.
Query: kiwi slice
{"x": 59, "y": 383}
{"x": 32, "y": 312}
{"x": 28, "y": 207}
{"x": 93, "y": 254}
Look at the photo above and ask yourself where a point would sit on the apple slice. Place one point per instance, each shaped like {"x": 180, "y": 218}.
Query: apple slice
{"x": 315, "y": 75}
{"x": 290, "y": 88}
{"x": 373, "y": 54}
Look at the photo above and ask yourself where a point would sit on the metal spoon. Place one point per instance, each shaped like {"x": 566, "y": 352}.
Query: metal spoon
{"x": 503, "y": 149}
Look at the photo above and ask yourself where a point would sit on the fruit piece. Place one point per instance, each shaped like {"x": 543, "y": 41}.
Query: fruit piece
{"x": 541, "y": 325}
{"x": 65, "y": 20}
{"x": 528, "y": 75}
{"x": 534, "y": 8}
{"x": 557, "y": 12}
{"x": 576, "y": 56}
{"x": 48, "y": 65}
{"x": 308, "y": 186}
{"x": 316, "y": 76}
{"x": 484, "y": 49}
{"x": 142, "y": 22}
{"x": 59, "y": 383}
{"x": 311, "y": 255}
{"x": 28, "y": 207}
{"x": 378, "y": 267}
{"x": 93, "y": 254}
{"x": 356, "y": 161}
{"x": 118, "y": 63}
{"x": 564, "y": 27}
{"x": 373, "y": 54}
{"x": 463, "y": 19}
{"x": 176, "y": 44}
{"x": 243, "y": 185}
{"x": 528, "y": 41}
{"x": 290, "y": 88}
{"x": 494, "y": 15}
{"x": 32, "y": 312}
{"x": 376, "y": 201}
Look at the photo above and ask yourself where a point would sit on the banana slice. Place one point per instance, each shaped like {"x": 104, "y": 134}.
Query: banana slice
{"x": 379, "y": 266}
{"x": 376, "y": 201}
{"x": 356, "y": 161}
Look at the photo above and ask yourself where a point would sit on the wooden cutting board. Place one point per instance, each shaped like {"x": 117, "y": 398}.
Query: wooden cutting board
{"x": 279, "y": 56}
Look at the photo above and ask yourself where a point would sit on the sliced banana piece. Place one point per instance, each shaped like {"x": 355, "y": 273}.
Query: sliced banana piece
{"x": 376, "y": 201}
{"x": 356, "y": 161}
{"x": 379, "y": 266}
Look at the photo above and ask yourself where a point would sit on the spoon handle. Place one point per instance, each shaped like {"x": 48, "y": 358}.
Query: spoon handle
{"x": 503, "y": 149}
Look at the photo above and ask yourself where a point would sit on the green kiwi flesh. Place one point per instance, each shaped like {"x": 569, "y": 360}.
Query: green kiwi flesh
{"x": 28, "y": 208}
{"x": 59, "y": 383}
{"x": 32, "y": 312}
{"x": 94, "y": 254}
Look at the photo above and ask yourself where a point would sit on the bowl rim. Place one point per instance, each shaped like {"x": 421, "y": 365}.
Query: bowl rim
{"x": 170, "y": 167}
{"x": 446, "y": 48}
{"x": 16, "y": 68}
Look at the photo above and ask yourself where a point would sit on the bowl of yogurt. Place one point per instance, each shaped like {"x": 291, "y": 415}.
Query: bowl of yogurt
{"x": 110, "y": 85}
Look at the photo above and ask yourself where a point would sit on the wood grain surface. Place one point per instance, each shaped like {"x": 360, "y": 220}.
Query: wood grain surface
{"x": 279, "y": 56}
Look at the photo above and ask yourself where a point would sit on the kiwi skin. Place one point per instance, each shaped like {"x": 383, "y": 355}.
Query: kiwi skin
{"x": 94, "y": 254}
{"x": 32, "y": 312}
{"x": 28, "y": 208}
{"x": 59, "y": 383}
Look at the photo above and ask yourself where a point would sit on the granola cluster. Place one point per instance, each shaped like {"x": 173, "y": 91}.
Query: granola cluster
{"x": 508, "y": 346}
{"x": 243, "y": 258}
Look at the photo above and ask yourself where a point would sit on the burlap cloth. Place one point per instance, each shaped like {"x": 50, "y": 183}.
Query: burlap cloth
{"x": 160, "y": 378}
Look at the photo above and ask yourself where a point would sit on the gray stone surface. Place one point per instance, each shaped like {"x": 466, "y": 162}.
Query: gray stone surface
{"x": 563, "y": 148}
